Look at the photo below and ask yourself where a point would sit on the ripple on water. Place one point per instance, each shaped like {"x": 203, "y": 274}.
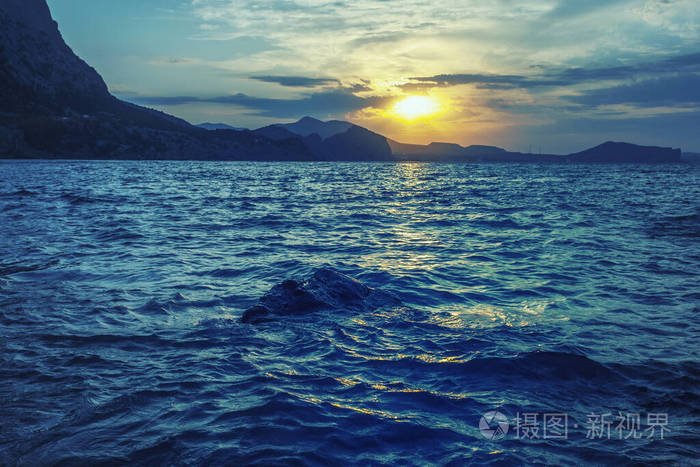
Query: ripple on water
{"x": 522, "y": 288}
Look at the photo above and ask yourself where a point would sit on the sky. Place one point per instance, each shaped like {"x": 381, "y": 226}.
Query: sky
{"x": 556, "y": 76}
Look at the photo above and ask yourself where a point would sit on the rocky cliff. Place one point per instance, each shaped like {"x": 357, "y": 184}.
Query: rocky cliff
{"x": 53, "y": 104}
{"x": 38, "y": 70}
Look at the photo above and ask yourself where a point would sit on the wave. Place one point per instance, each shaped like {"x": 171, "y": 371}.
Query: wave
{"x": 20, "y": 193}
{"x": 11, "y": 268}
{"x": 677, "y": 226}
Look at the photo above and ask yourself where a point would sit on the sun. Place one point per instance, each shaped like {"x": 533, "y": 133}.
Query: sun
{"x": 415, "y": 107}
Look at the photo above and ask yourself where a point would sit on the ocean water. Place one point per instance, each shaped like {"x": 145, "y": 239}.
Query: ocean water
{"x": 551, "y": 294}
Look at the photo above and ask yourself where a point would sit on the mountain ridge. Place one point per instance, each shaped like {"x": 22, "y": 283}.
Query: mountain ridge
{"x": 612, "y": 151}
{"x": 307, "y": 126}
{"x": 219, "y": 126}
{"x": 332, "y": 140}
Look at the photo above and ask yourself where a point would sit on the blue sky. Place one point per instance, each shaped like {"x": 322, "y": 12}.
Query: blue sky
{"x": 558, "y": 74}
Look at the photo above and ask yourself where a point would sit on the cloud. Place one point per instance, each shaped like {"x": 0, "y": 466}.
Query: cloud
{"x": 329, "y": 103}
{"x": 392, "y": 40}
{"x": 176, "y": 61}
{"x": 296, "y": 81}
{"x": 675, "y": 64}
{"x": 363, "y": 86}
{"x": 553, "y": 77}
{"x": 343, "y": 36}
{"x": 567, "y": 9}
{"x": 679, "y": 90}
{"x": 485, "y": 81}
{"x": 322, "y": 104}
{"x": 162, "y": 100}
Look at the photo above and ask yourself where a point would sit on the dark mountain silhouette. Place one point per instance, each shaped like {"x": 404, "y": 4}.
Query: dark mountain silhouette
{"x": 606, "y": 152}
{"x": 277, "y": 133}
{"x": 308, "y": 126}
{"x": 333, "y": 140}
{"x": 625, "y": 152}
{"x": 54, "y": 105}
{"x": 219, "y": 126}
{"x": 443, "y": 151}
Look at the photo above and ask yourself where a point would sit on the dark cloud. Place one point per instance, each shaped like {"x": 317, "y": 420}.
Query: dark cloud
{"x": 176, "y": 61}
{"x": 296, "y": 81}
{"x": 362, "y": 86}
{"x": 380, "y": 38}
{"x": 675, "y": 64}
{"x": 336, "y": 102}
{"x": 675, "y": 90}
{"x": 481, "y": 80}
{"x": 574, "y": 8}
{"x": 553, "y": 77}
{"x": 322, "y": 103}
{"x": 161, "y": 100}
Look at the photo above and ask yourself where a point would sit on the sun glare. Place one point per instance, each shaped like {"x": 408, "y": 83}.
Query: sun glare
{"x": 415, "y": 107}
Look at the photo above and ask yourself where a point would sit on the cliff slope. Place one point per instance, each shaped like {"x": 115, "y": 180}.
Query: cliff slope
{"x": 53, "y": 104}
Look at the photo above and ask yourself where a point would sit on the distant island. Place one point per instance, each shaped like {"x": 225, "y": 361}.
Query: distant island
{"x": 54, "y": 105}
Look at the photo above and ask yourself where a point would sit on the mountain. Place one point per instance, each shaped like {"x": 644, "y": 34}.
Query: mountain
{"x": 308, "y": 126}
{"x": 39, "y": 68}
{"x": 444, "y": 151}
{"x": 333, "y": 140}
{"x": 625, "y": 152}
{"x": 357, "y": 143}
{"x": 606, "y": 152}
{"x": 219, "y": 126}
{"x": 277, "y": 133}
{"x": 53, "y": 104}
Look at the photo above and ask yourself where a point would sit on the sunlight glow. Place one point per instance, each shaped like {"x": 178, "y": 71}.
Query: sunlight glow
{"x": 415, "y": 107}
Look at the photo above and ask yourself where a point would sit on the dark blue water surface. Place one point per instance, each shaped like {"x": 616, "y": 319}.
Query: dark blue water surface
{"x": 525, "y": 289}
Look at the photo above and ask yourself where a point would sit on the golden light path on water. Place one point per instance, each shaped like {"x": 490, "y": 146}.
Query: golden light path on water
{"x": 416, "y": 179}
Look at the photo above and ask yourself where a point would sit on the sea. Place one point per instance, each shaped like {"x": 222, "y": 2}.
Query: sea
{"x": 544, "y": 314}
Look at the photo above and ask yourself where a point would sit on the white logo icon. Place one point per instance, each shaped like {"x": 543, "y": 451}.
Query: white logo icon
{"x": 494, "y": 425}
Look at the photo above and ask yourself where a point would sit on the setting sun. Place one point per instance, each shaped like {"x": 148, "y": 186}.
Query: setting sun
{"x": 415, "y": 107}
